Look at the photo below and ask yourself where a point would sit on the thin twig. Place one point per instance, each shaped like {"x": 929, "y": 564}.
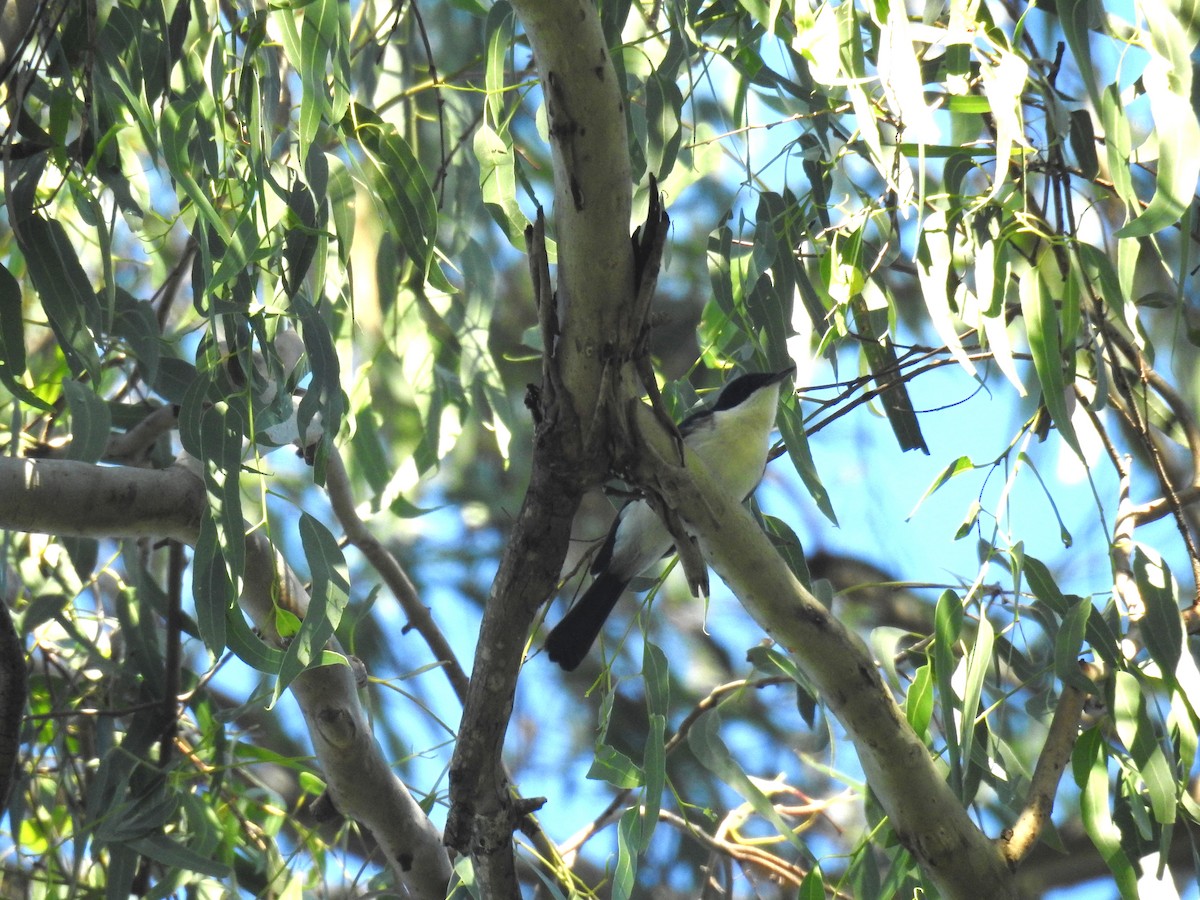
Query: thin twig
{"x": 419, "y": 617}
{"x": 616, "y": 806}
{"x": 745, "y": 854}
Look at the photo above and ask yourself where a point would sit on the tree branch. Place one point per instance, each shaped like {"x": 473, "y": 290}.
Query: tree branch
{"x": 389, "y": 568}
{"x": 1052, "y": 761}
{"x": 593, "y": 333}
{"x": 927, "y": 817}
{"x": 76, "y": 499}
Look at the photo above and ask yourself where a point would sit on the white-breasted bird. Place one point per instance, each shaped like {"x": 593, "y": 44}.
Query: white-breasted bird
{"x": 732, "y": 438}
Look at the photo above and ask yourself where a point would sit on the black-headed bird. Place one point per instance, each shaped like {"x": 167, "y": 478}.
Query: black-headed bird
{"x": 732, "y": 438}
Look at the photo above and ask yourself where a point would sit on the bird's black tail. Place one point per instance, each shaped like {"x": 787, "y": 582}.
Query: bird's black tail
{"x": 570, "y": 640}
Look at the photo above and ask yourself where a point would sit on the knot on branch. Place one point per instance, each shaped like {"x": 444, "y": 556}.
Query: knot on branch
{"x": 336, "y": 727}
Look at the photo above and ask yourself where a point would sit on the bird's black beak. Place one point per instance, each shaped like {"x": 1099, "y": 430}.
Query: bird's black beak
{"x": 782, "y": 374}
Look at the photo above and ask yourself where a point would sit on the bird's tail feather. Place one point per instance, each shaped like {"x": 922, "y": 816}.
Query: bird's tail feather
{"x": 570, "y": 640}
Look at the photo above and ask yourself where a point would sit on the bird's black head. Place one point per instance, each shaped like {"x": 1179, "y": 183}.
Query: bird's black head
{"x": 744, "y": 386}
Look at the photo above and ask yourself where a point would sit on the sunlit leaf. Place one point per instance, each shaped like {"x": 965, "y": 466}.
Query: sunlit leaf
{"x": 1140, "y": 737}
{"x": 615, "y": 768}
{"x": 918, "y": 704}
{"x": 401, "y": 187}
{"x": 957, "y": 467}
{"x": 979, "y": 662}
{"x": 1162, "y": 626}
{"x": 935, "y": 256}
{"x": 498, "y": 181}
{"x": 1178, "y": 134}
{"x": 1089, "y": 763}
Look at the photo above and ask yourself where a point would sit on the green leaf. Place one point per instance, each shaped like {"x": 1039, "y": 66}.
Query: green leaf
{"x": 979, "y": 661}
{"x": 342, "y": 200}
{"x": 401, "y": 188}
{"x": 791, "y": 428}
{"x": 1118, "y": 142}
{"x": 328, "y": 597}
{"x": 1068, "y": 644}
{"x": 498, "y": 181}
{"x": 1043, "y": 585}
{"x": 654, "y": 765}
{"x": 66, "y": 292}
{"x": 1076, "y": 19}
{"x": 948, "y": 622}
{"x": 918, "y": 703}
{"x": 664, "y": 106}
{"x": 243, "y": 247}
{"x": 812, "y": 887}
{"x": 12, "y": 341}
{"x": 625, "y": 874}
{"x": 499, "y": 31}
{"x": 211, "y": 588}
{"x": 1042, "y": 327}
{"x": 960, "y": 465}
{"x": 1162, "y": 627}
{"x": 141, "y": 638}
{"x": 876, "y": 345}
{"x": 91, "y": 423}
{"x": 773, "y": 662}
{"x": 1004, "y": 83}
{"x": 123, "y": 863}
{"x": 84, "y": 553}
{"x": 174, "y": 855}
{"x": 175, "y": 128}
{"x": 615, "y": 768}
{"x": 935, "y": 255}
{"x": 311, "y": 233}
{"x": 787, "y": 543}
{"x": 322, "y": 55}
{"x": 720, "y": 249}
{"x": 324, "y": 396}
{"x": 1140, "y": 737}
{"x": 1089, "y": 762}
{"x": 248, "y": 646}
{"x": 1100, "y": 635}
{"x": 1167, "y": 79}
{"x": 136, "y": 322}
{"x": 175, "y": 376}
{"x": 1083, "y": 143}
{"x": 222, "y": 432}
{"x": 656, "y": 675}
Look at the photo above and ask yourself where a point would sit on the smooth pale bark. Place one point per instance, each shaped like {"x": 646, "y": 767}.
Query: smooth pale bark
{"x": 593, "y": 192}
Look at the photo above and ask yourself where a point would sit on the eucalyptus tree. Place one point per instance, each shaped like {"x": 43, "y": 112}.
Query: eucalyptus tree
{"x": 322, "y": 332}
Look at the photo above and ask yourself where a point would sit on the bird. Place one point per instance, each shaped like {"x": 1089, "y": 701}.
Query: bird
{"x": 732, "y": 438}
